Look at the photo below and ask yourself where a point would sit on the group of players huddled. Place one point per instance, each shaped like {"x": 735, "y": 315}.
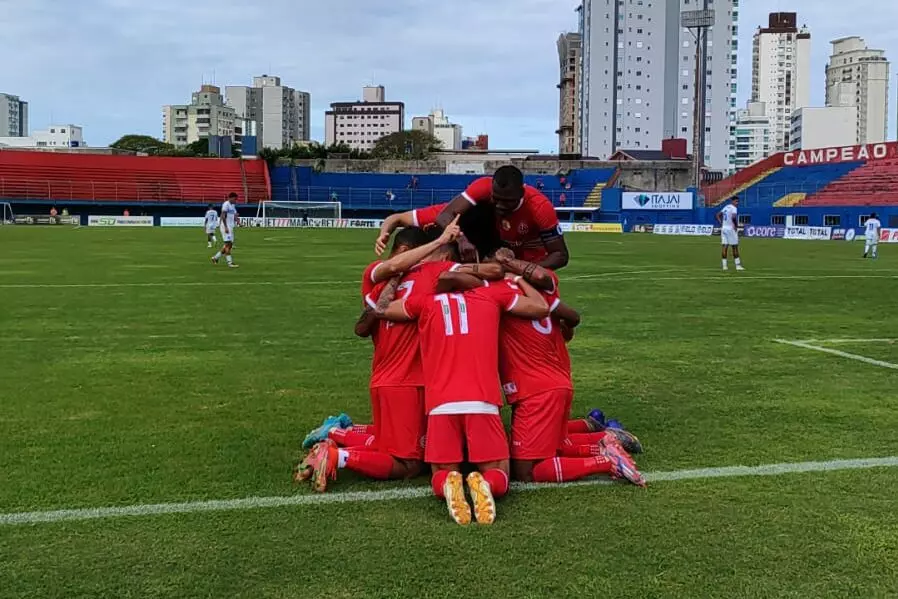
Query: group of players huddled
{"x": 471, "y": 282}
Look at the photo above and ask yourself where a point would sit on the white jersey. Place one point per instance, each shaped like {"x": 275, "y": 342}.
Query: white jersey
{"x": 211, "y": 219}
{"x": 728, "y": 218}
{"x": 871, "y": 227}
{"x": 228, "y": 215}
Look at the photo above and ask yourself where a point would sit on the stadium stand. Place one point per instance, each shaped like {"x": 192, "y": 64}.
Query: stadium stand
{"x": 63, "y": 177}
{"x": 786, "y": 183}
{"x": 872, "y": 184}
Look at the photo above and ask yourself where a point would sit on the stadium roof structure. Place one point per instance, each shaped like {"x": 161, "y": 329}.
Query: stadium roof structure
{"x": 644, "y": 155}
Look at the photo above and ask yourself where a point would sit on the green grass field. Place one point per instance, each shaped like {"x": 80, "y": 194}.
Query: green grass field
{"x": 133, "y": 372}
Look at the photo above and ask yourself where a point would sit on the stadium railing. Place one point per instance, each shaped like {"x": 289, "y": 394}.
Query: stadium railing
{"x": 402, "y": 199}
{"x": 117, "y": 191}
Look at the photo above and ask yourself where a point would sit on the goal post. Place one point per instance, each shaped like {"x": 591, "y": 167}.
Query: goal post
{"x": 295, "y": 214}
{"x": 6, "y": 214}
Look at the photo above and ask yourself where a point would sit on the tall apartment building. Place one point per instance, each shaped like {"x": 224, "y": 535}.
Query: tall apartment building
{"x": 360, "y": 124}
{"x": 858, "y": 76}
{"x": 207, "y": 114}
{"x": 13, "y": 116}
{"x": 281, "y": 114}
{"x": 829, "y": 127}
{"x": 438, "y": 125}
{"x": 639, "y": 73}
{"x": 570, "y": 47}
{"x": 781, "y": 72}
{"x": 753, "y": 136}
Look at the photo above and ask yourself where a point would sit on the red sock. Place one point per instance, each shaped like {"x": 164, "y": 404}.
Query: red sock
{"x": 578, "y": 426}
{"x": 437, "y": 481}
{"x": 498, "y": 481}
{"x": 345, "y": 437}
{"x": 585, "y": 438}
{"x": 579, "y": 451}
{"x": 560, "y": 470}
{"x": 372, "y": 464}
{"x": 365, "y": 429}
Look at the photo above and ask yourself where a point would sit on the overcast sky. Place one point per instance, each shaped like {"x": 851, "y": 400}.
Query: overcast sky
{"x": 110, "y": 65}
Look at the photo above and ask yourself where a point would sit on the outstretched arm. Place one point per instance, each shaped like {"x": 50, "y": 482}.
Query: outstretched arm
{"x": 558, "y": 255}
{"x": 404, "y": 261}
{"x": 458, "y": 206}
{"x": 390, "y": 224}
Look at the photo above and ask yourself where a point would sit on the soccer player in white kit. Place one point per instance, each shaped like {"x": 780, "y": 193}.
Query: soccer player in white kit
{"x": 228, "y": 222}
{"x": 210, "y": 222}
{"x": 729, "y": 236}
{"x": 872, "y": 229}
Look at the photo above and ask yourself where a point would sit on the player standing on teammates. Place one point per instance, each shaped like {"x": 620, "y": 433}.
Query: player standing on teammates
{"x": 462, "y": 403}
{"x": 495, "y": 211}
{"x": 729, "y": 235}
{"x": 872, "y": 230}
{"x": 210, "y": 222}
{"x": 228, "y": 223}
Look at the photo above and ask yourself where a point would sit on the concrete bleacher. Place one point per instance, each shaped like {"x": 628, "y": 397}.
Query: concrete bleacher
{"x": 874, "y": 183}
{"x": 793, "y": 182}
{"x": 61, "y": 177}
{"x": 371, "y": 190}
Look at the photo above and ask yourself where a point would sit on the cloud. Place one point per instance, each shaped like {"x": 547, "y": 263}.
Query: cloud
{"x": 110, "y": 65}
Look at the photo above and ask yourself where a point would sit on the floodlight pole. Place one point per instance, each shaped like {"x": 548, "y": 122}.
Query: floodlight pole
{"x": 698, "y": 22}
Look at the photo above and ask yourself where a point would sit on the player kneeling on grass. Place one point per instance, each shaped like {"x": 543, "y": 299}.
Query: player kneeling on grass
{"x": 535, "y": 370}
{"x": 228, "y": 223}
{"x": 459, "y": 338}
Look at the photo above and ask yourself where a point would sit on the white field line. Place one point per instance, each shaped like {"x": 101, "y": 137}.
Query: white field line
{"x": 843, "y": 340}
{"x": 248, "y": 503}
{"x": 836, "y": 352}
{"x": 721, "y": 278}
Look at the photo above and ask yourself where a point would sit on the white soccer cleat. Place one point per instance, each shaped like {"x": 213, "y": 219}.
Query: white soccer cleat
{"x": 739, "y": 267}
{"x": 233, "y": 266}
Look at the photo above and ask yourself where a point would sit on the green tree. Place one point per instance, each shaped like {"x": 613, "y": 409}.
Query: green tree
{"x": 142, "y": 143}
{"x": 406, "y": 145}
{"x": 199, "y": 148}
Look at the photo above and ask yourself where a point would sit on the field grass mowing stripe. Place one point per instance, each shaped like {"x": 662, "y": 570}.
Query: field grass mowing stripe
{"x": 221, "y": 505}
{"x": 836, "y": 352}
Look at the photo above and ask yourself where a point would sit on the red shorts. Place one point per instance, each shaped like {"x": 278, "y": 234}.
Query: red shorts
{"x": 399, "y": 421}
{"x": 450, "y": 437}
{"x": 539, "y": 424}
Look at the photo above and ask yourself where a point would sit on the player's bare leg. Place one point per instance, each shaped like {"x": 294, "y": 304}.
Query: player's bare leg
{"x": 447, "y": 483}
{"x": 723, "y": 256}
{"x": 736, "y": 258}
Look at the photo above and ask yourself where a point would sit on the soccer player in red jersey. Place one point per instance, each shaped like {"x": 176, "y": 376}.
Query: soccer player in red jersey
{"x": 462, "y": 404}
{"x": 525, "y": 218}
{"x": 535, "y": 370}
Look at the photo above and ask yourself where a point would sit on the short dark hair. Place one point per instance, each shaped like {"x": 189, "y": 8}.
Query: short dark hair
{"x": 232, "y": 195}
{"x": 412, "y": 237}
{"x": 508, "y": 178}
{"x": 873, "y": 215}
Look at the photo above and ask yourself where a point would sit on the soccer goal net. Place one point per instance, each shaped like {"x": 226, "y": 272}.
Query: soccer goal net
{"x": 6, "y": 215}
{"x": 297, "y": 214}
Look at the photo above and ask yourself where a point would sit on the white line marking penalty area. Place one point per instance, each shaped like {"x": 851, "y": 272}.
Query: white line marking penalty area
{"x": 836, "y": 352}
{"x": 249, "y": 503}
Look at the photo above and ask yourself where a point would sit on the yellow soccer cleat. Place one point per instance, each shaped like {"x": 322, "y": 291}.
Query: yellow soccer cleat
{"x": 454, "y": 491}
{"x": 482, "y": 497}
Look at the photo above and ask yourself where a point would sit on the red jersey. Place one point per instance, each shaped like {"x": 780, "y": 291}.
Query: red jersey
{"x": 368, "y": 283}
{"x": 397, "y": 358}
{"x": 525, "y": 230}
{"x": 460, "y": 343}
{"x": 533, "y": 357}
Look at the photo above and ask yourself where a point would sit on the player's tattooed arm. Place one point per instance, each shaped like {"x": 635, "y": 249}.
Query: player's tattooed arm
{"x": 364, "y": 326}
{"x": 534, "y": 274}
{"x": 457, "y": 281}
{"x": 386, "y": 296}
{"x": 484, "y": 272}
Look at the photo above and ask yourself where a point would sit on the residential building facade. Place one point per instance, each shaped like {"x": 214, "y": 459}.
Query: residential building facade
{"x": 282, "y": 115}
{"x": 781, "y": 72}
{"x": 859, "y": 76}
{"x": 206, "y": 115}
{"x": 53, "y": 137}
{"x": 753, "y": 137}
{"x": 829, "y": 127}
{"x": 360, "y": 124}
{"x": 639, "y": 72}
{"x": 438, "y": 125}
{"x": 13, "y": 116}
{"x": 570, "y": 47}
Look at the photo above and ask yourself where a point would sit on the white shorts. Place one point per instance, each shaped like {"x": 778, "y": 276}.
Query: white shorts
{"x": 210, "y": 230}
{"x": 227, "y": 237}
{"x": 872, "y": 240}
{"x": 729, "y": 237}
